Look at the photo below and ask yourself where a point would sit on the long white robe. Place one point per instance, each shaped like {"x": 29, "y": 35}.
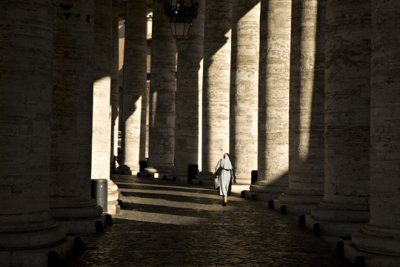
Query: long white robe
{"x": 226, "y": 174}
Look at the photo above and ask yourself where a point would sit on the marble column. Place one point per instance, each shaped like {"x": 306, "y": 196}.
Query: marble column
{"x": 134, "y": 82}
{"x": 189, "y": 81}
{"x": 162, "y": 93}
{"x": 102, "y": 112}
{"x": 306, "y": 117}
{"x": 347, "y": 84}
{"x": 380, "y": 238}
{"x": 115, "y": 106}
{"x": 273, "y": 144}
{"x": 216, "y": 84}
{"x": 26, "y": 50}
{"x": 71, "y": 140}
{"x": 244, "y": 88}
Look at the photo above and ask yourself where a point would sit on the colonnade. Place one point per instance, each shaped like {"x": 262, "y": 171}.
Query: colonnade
{"x": 305, "y": 92}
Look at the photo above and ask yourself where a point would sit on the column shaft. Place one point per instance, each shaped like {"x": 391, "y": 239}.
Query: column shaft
{"x": 381, "y": 236}
{"x": 216, "y": 82}
{"x": 244, "y": 89}
{"x": 306, "y": 118}
{"x": 347, "y": 85}
{"x": 273, "y": 145}
{"x": 189, "y": 81}
{"x": 71, "y": 139}
{"x": 162, "y": 92}
{"x": 134, "y": 81}
{"x": 26, "y": 51}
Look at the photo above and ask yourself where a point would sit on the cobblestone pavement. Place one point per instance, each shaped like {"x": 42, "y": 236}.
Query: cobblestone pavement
{"x": 166, "y": 223}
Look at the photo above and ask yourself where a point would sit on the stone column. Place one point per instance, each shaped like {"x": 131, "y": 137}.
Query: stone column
{"x": 306, "y": 118}
{"x": 216, "y": 84}
{"x": 347, "y": 85}
{"x": 101, "y": 133}
{"x": 134, "y": 81}
{"x": 380, "y": 238}
{"x": 189, "y": 81}
{"x": 71, "y": 140}
{"x": 273, "y": 145}
{"x": 115, "y": 106}
{"x": 162, "y": 93}
{"x": 244, "y": 89}
{"x": 25, "y": 65}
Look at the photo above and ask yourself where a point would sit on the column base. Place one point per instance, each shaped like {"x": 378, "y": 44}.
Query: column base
{"x": 112, "y": 198}
{"x": 49, "y": 256}
{"x": 365, "y": 259}
{"x": 331, "y": 219}
{"x": 296, "y": 203}
{"x": 264, "y": 192}
{"x": 86, "y": 226}
{"x": 204, "y": 178}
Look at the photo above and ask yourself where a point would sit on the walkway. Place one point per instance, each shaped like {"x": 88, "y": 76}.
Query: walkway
{"x": 166, "y": 223}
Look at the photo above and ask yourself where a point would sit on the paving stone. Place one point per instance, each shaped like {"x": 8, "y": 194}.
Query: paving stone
{"x": 166, "y": 223}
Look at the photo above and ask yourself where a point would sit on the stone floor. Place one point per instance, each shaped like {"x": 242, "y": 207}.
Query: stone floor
{"x": 167, "y": 223}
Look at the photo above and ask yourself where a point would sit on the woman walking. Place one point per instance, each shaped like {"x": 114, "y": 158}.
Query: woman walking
{"x": 225, "y": 174}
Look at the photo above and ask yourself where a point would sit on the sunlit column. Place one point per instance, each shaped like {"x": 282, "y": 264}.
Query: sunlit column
{"x": 306, "y": 118}
{"x": 162, "y": 92}
{"x": 273, "y": 145}
{"x": 244, "y": 89}
{"x": 25, "y": 83}
{"x": 347, "y": 88}
{"x": 71, "y": 202}
{"x": 102, "y": 108}
{"x": 134, "y": 81}
{"x": 381, "y": 236}
{"x": 216, "y": 83}
{"x": 115, "y": 106}
{"x": 189, "y": 80}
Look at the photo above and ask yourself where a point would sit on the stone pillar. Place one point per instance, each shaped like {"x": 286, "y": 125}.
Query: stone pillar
{"x": 101, "y": 133}
{"x": 244, "y": 89}
{"x": 115, "y": 106}
{"x": 347, "y": 85}
{"x": 189, "y": 80}
{"x": 306, "y": 118}
{"x": 273, "y": 145}
{"x": 25, "y": 65}
{"x": 216, "y": 84}
{"x": 71, "y": 140}
{"x": 162, "y": 93}
{"x": 380, "y": 238}
{"x": 134, "y": 82}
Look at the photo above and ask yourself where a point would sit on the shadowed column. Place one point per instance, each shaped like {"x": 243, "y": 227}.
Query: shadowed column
{"x": 134, "y": 82}
{"x": 189, "y": 81}
{"x": 306, "y": 130}
{"x": 216, "y": 84}
{"x": 101, "y": 133}
{"x": 380, "y": 238}
{"x": 244, "y": 90}
{"x": 71, "y": 202}
{"x": 162, "y": 93}
{"x": 347, "y": 85}
{"x": 25, "y": 83}
{"x": 273, "y": 144}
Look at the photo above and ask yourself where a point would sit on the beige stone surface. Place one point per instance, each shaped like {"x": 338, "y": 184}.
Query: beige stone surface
{"x": 273, "y": 148}
{"x": 306, "y": 118}
{"x": 216, "y": 82}
{"x": 189, "y": 81}
{"x": 244, "y": 88}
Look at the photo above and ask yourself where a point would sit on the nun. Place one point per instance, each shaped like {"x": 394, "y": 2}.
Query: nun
{"x": 225, "y": 174}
